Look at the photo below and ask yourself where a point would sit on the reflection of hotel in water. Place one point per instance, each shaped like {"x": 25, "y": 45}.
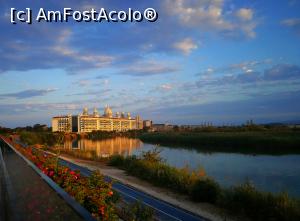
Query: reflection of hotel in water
{"x": 104, "y": 148}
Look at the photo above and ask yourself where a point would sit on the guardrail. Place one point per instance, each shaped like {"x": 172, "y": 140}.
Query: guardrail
{"x": 8, "y": 198}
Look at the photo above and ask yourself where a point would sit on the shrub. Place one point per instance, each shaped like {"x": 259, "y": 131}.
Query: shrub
{"x": 205, "y": 190}
{"x": 248, "y": 201}
{"x": 116, "y": 160}
{"x": 138, "y": 212}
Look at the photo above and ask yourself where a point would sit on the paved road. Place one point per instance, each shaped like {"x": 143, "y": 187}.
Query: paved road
{"x": 163, "y": 210}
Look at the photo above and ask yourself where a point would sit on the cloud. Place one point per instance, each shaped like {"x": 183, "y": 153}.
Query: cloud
{"x": 185, "y": 46}
{"x": 237, "y": 68}
{"x": 162, "y": 88}
{"x": 148, "y": 68}
{"x": 211, "y": 15}
{"x": 282, "y": 72}
{"x": 81, "y": 48}
{"x": 166, "y": 87}
{"x": 202, "y": 13}
{"x": 83, "y": 83}
{"x": 262, "y": 109}
{"x": 279, "y": 72}
{"x": 28, "y": 93}
{"x": 96, "y": 93}
{"x": 48, "y": 48}
{"x": 79, "y": 60}
{"x": 293, "y": 23}
{"x": 245, "y": 14}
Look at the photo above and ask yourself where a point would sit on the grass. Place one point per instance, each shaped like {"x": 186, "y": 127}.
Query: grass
{"x": 256, "y": 205}
{"x": 252, "y": 142}
{"x": 242, "y": 200}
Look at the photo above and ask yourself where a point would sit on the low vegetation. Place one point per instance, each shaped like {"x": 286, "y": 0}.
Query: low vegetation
{"x": 4, "y": 130}
{"x": 243, "y": 200}
{"x": 42, "y": 138}
{"x": 260, "y": 206}
{"x": 252, "y": 142}
{"x": 137, "y": 211}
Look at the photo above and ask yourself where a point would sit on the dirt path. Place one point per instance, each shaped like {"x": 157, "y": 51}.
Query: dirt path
{"x": 203, "y": 209}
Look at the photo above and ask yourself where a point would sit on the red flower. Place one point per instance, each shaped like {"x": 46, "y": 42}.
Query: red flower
{"x": 101, "y": 210}
{"x": 51, "y": 173}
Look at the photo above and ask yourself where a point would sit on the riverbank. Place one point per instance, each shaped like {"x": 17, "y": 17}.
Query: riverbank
{"x": 244, "y": 200}
{"x": 248, "y": 142}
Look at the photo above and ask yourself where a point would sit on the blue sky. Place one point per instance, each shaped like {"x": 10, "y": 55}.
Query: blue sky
{"x": 219, "y": 61}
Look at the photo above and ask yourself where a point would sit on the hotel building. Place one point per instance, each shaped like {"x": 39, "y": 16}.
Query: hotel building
{"x": 86, "y": 122}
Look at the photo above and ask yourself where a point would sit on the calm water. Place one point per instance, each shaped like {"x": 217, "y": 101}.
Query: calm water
{"x": 269, "y": 173}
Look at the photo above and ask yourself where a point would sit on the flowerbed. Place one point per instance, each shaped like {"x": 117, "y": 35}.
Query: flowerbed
{"x": 93, "y": 193}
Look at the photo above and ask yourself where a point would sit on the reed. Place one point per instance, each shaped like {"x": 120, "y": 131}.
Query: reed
{"x": 252, "y": 142}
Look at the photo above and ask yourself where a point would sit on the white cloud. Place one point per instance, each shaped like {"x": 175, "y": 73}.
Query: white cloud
{"x": 202, "y": 14}
{"x": 186, "y": 46}
{"x": 211, "y": 15}
{"x": 96, "y": 60}
{"x": 245, "y": 14}
{"x": 166, "y": 87}
{"x": 62, "y": 49}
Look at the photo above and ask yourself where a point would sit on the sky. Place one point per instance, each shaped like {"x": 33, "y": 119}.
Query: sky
{"x": 218, "y": 61}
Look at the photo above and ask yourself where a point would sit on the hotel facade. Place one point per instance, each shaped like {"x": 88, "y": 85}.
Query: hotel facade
{"x": 85, "y": 122}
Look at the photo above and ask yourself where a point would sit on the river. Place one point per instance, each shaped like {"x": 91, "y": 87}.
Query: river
{"x": 266, "y": 172}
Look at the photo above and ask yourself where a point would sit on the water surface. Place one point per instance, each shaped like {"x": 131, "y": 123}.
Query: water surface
{"x": 266, "y": 172}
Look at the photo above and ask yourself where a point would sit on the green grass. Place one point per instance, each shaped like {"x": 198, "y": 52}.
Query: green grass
{"x": 242, "y": 200}
{"x": 252, "y": 142}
